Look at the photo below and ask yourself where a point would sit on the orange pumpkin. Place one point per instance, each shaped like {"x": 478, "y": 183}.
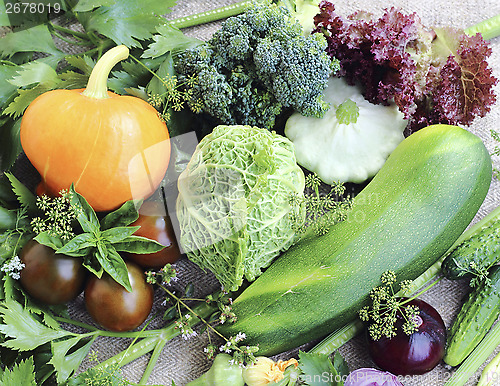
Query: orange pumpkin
{"x": 112, "y": 148}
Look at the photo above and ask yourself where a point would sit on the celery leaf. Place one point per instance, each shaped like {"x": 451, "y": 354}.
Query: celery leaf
{"x": 25, "y": 331}
{"x": 35, "y": 39}
{"x": 169, "y": 39}
{"x": 126, "y": 22}
{"x": 317, "y": 369}
{"x": 65, "y": 363}
{"x": 21, "y": 374}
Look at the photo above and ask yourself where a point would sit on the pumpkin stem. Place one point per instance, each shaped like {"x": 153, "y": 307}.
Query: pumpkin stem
{"x": 97, "y": 87}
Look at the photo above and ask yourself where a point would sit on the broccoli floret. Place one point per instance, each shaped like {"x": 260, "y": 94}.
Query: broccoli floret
{"x": 255, "y": 66}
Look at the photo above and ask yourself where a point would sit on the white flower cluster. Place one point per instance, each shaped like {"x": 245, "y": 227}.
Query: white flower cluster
{"x": 13, "y": 267}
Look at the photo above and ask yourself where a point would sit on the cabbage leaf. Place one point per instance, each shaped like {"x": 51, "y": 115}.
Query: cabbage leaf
{"x": 234, "y": 202}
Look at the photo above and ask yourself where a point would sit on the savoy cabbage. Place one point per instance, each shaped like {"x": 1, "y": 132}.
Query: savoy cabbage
{"x": 234, "y": 202}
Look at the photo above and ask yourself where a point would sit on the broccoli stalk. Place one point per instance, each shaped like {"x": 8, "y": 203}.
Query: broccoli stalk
{"x": 303, "y": 10}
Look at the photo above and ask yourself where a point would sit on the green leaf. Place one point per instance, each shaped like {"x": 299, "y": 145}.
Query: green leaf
{"x": 10, "y": 143}
{"x": 113, "y": 264}
{"x": 110, "y": 376}
{"x": 35, "y": 39}
{"x": 16, "y": 108}
{"x": 133, "y": 75}
{"x": 127, "y": 21}
{"x": 340, "y": 364}
{"x": 8, "y": 218}
{"x": 317, "y": 369}
{"x": 26, "y": 332}
{"x": 64, "y": 363}
{"x": 71, "y": 80}
{"x": 21, "y": 374}
{"x": 93, "y": 265}
{"x": 169, "y": 39}
{"x": 50, "y": 241}
{"x": 138, "y": 244}
{"x": 156, "y": 86}
{"x": 24, "y": 196}
{"x": 89, "y": 5}
{"x": 88, "y": 218}
{"x": 7, "y": 90}
{"x": 83, "y": 63}
{"x": 117, "y": 234}
{"x": 79, "y": 245}
{"x": 35, "y": 72}
{"x": 123, "y": 216}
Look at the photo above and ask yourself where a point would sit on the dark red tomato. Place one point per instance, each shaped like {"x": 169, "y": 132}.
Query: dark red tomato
{"x": 49, "y": 277}
{"x": 412, "y": 354}
{"x": 155, "y": 224}
{"x": 113, "y": 307}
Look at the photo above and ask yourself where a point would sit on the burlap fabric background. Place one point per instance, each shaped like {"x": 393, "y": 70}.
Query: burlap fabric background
{"x": 184, "y": 360}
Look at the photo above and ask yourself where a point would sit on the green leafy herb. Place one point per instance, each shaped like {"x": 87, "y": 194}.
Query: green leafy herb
{"x": 25, "y": 332}
{"x": 386, "y": 306}
{"x": 322, "y": 210}
{"x": 35, "y": 39}
{"x": 21, "y": 374}
{"x": 169, "y": 40}
{"x": 67, "y": 363}
{"x": 127, "y": 21}
{"x": 318, "y": 369}
{"x": 98, "y": 242}
{"x": 24, "y": 196}
{"x": 59, "y": 213}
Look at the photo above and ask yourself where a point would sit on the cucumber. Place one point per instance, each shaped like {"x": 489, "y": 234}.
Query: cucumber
{"x": 475, "y": 319}
{"x": 412, "y": 211}
{"x": 476, "y": 254}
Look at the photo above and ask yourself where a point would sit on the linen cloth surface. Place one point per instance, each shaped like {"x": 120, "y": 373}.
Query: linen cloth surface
{"x": 184, "y": 360}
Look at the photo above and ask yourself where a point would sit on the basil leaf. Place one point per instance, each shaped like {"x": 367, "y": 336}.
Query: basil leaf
{"x": 78, "y": 245}
{"x": 91, "y": 262}
{"x": 123, "y": 216}
{"x": 48, "y": 240}
{"x": 113, "y": 264}
{"x": 115, "y": 235}
{"x": 87, "y": 219}
{"x": 138, "y": 244}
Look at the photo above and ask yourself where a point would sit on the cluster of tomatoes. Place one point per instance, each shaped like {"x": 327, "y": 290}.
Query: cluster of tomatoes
{"x": 56, "y": 279}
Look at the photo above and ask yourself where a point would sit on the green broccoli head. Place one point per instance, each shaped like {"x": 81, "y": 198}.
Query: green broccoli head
{"x": 255, "y": 66}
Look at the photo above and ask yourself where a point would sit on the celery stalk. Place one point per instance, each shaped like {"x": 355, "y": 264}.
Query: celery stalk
{"x": 489, "y": 28}
{"x": 210, "y": 16}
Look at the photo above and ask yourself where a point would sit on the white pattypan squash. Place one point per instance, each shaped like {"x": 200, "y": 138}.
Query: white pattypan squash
{"x": 353, "y": 139}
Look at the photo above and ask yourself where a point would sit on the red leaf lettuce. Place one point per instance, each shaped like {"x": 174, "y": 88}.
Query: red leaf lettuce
{"x": 434, "y": 76}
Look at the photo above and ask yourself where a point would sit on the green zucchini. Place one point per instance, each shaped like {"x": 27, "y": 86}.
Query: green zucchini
{"x": 476, "y": 254}
{"x": 412, "y": 211}
{"x": 475, "y": 319}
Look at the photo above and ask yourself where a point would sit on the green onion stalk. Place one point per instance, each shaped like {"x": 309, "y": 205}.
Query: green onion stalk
{"x": 489, "y": 28}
